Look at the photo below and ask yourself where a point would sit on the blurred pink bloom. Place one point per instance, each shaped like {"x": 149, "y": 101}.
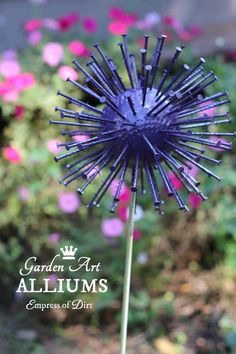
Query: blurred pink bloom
{"x": 67, "y": 21}
{"x": 137, "y": 235}
{"x": 118, "y": 28}
{"x": 150, "y": 20}
{"x": 122, "y": 212}
{"x": 173, "y": 22}
{"x": 185, "y": 36}
{"x": 23, "y": 81}
{"x": 34, "y": 38}
{"x": 11, "y": 96}
{"x": 175, "y": 181}
{"x": 12, "y": 154}
{"x": 66, "y": 71}
{"x": 209, "y": 111}
{"x": 194, "y": 170}
{"x": 52, "y": 146}
{"x": 112, "y": 227}
{"x": 125, "y": 195}
{"x": 33, "y": 25}
{"x": 51, "y": 24}
{"x": 215, "y": 140}
{"x": 119, "y": 15}
{"x": 24, "y": 193}
{"x": 113, "y": 186}
{"x": 54, "y": 238}
{"x": 80, "y": 138}
{"x": 78, "y": 48}
{"x": 9, "y": 68}
{"x": 90, "y": 25}
{"x": 9, "y": 54}
{"x": 19, "y": 111}
{"x": 194, "y": 200}
{"x": 68, "y": 202}
{"x": 52, "y": 53}
{"x": 53, "y": 278}
{"x": 195, "y": 31}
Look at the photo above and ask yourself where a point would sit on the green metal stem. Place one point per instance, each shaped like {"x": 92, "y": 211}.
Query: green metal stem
{"x": 127, "y": 276}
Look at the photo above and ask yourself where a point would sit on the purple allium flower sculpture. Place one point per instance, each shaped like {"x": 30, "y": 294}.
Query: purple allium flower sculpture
{"x": 150, "y": 125}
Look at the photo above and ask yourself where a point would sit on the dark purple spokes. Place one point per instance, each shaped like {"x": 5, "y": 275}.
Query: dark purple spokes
{"x": 150, "y": 125}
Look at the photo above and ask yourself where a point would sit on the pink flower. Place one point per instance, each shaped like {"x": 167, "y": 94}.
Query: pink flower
{"x": 80, "y": 138}
{"x": 12, "y": 154}
{"x": 52, "y": 145}
{"x": 53, "y": 53}
{"x": 195, "y": 31}
{"x": 137, "y": 235}
{"x": 112, "y": 227}
{"x": 24, "y": 193}
{"x": 78, "y": 48}
{"x": 173, "y": 23}
{"x": 214, "y": 139}
{"x": 68, "y": 21}
{"x": 209, "y": 111}
{"x": 119, "y": 15}
{"x": 150, "y": 20}
{"x": 34, "y": 38}
{"x": 23, "y": 81}
{"x": 118, "y": 28}
{"x": 122, "y": 212}
{"x": 11, "y": 96}
{"x": 194, "y": 170}
{"x": 175, "y": 181}
{"x": 66, "y": 71}
{"x": 90, "y": 25}
{"x": 9, "y": 68}
{"x": 54, "y": 238}
{"x": 113, "y": 186}
{"x": 53, "y": 279}
{"x": 51, "y": 24}
{"x": 19, "y": 111}
{"x": 9, "y": 54}
{"x": 185, "y": 36}
{"x": 33, "y": 25}
{"x": 194, "y": 200}
{"x": 68, "y": 202}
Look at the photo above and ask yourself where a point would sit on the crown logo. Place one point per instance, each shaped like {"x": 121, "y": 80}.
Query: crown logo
{"x": 68, "y": 252}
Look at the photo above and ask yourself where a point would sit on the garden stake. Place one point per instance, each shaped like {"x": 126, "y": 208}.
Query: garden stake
{"x": 127, "y": 276}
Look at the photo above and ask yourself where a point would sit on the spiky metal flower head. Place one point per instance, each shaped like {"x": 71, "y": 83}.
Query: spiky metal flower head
{"x": 150, "y": 126}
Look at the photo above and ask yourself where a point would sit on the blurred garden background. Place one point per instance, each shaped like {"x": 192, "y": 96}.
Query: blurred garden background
{"x": 184, "y": 267}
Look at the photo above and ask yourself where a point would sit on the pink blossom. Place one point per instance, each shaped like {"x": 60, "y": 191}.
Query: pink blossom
{"x": 52, "y": 53}
{"x": 150, "y": 20}
{"x": 112, "y": 227}
{"x": 80, "y": 138}
{"x": 214, "y": 139}
{"x": 122, "y": 212}
{"x": 67, "y": 21}
{"x": 173, "y": 23}
{"x": 52, "y": 145}
{"x": 12, "y": 154}
{"x": 208, "y": 111}
{"x": 113, "y": 186}
{"x": 34, "y": 38}
{"x": 54, "y": 238}
{"x": 118, "y": 28}
{"x": 119, "y": 15}
{"x": 194, "y": 200}
{"x": 23, "y": 81}
{"x": 51, "y": 24}
{"x": 11, "y": 96}
{"x": 78, "y": 48}
{"x": 9, "y": 54}
{"x": 53, "y": 278}
{"x": 66, "y": 71}
{"x": 9, "y": 68}
{"x": 33, "y": 25}
{"x": 194, "y": 170}
{"x": 24, "y": 193}
{"x": 68, "y": 202}
{"x": 19, "y": 112}
{"x": 185, "y": 36}
{"x": 90, "y": 25}
{"x": 177, "y": 184}
{"x": 195, "y": 31}
{"x": 137, "y": 235}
